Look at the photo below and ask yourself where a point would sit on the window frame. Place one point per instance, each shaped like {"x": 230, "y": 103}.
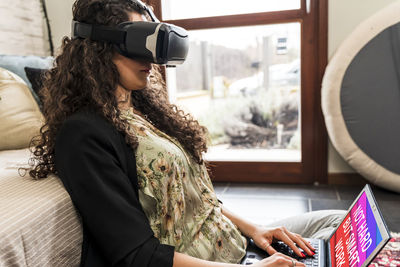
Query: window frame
{"x": 313, "y": 17}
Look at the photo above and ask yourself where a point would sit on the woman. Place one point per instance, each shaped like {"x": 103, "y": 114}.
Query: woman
{"x": 132, "y": 162}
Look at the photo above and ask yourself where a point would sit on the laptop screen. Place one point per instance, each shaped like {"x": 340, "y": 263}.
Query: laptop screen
{"x": 356, "y": 237}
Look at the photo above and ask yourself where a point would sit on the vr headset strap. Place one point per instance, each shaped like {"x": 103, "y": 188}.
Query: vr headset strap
{"x": 98, "y": 32}
{"x": 148, "y": 10}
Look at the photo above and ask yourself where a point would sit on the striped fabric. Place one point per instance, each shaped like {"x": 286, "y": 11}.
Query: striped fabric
{"x": 38, "y": 222}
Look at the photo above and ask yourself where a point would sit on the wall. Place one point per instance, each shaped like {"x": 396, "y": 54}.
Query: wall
{"x": 60, "y": 16}
{"x": 344, "y": 16}
{"x": 23, "y": 28}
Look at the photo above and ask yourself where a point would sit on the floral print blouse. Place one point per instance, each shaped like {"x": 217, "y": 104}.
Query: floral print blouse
{"x": 178, "y": 198}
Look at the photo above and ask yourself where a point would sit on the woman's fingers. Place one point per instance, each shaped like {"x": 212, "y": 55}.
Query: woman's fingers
{"x": 282, "y": 235}
{"x": 269, "y": 249}
{"x": 279, "y": 259}
{"x": 307, "y": 243}
{"x": 287, "y": 257}
{"x": 302, "y": 243}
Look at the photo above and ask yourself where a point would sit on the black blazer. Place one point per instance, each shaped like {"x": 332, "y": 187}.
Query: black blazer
{"x": 98, "y": 169}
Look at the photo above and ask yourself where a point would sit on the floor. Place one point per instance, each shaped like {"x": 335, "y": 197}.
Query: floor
{"x": 280, "y": 201}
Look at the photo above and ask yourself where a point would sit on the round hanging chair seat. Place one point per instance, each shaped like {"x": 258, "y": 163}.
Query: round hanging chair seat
{"x": 361, "y": 99}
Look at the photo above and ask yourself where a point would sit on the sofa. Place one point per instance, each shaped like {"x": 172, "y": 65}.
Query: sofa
{"x": 39, "y": 225}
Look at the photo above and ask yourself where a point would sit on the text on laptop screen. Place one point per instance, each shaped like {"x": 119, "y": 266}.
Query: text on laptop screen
{"x": 356, "y": 237}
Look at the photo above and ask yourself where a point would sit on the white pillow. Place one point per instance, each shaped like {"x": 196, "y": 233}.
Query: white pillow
{"x": 20, "y": 116}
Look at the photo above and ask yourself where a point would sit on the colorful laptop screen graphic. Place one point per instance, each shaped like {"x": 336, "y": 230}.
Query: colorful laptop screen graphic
{"x": 357, "y": 236}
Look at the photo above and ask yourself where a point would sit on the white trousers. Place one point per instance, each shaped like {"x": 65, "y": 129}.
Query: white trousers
{"x": 315, "y": 224}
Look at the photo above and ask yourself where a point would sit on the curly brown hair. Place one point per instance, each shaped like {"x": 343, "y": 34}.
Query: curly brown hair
{"x": 84, "y": 75}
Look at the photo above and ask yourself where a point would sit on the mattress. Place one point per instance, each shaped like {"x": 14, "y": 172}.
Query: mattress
{"x": 39, "y": 225}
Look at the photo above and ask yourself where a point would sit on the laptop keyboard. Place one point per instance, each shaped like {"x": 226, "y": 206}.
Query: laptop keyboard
{"x": 311, "y": 261}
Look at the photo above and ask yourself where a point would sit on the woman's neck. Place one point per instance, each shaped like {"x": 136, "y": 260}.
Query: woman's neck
{"x": 123, "y": 98}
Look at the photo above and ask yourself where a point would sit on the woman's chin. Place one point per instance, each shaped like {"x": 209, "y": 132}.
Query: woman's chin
{"x": 139, "y": 86}
{"x": 143, "y": 85}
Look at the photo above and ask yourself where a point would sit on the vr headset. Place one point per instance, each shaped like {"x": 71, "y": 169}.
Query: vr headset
{"x": 159, "y": 43}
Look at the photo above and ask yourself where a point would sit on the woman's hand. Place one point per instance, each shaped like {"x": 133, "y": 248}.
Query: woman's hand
{"x": 278, "y": 260}
{"x": 263, "y": 238}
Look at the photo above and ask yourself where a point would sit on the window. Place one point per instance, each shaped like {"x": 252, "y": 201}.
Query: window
{"x": 247, "y": 95}
{"x": 252, "y": 77}
{"x": 281, "y": 46}
{"x": 183, "y": 9}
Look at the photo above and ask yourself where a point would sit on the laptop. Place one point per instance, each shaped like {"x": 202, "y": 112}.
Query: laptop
{"x": 354, "y": 243}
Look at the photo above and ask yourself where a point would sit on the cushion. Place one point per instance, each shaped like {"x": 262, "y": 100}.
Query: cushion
{"x": 35, "y": 77}
{"x": 20, "y": 117}
{"x": 16, "y": 64}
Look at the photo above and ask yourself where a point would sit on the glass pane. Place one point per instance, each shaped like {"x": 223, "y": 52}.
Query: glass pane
{"x": 182, "y": 9}
{"x": 243, "y": 84}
